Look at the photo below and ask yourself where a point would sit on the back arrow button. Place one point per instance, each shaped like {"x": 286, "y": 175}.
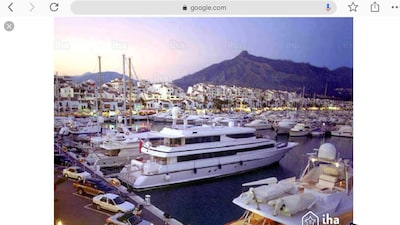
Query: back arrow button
{"x": 9, "y": 7}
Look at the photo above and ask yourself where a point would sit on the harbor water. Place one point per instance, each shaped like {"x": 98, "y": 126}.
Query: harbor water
{"x": 210, "y": 201}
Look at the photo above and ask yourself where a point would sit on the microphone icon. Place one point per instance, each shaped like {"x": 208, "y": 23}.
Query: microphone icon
{"x": 328, "y": 7}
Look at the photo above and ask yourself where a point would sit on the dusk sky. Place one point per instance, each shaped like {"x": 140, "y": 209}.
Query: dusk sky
{"x": 163, "y": 49}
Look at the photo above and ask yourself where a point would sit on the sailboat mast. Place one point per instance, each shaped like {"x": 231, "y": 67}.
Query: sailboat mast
{"x": 130, "y": 93}
{"x": 57, "y": 91}
{"x": 124, "y": 85}
{"x": 100, "y": 88}
{"x": 302, "y": 98}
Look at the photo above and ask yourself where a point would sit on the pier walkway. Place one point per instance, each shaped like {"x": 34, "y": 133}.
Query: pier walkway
{"x": 151, "y": 212}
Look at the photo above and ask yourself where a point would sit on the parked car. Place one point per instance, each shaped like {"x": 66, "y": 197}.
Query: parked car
{"x": 126, "y": 219}
{"x": 62, "y": 160}
{"x": 112, "y": 202}
{"x": 92, "y": 186}
{"x": 77, "y": 151}
{"x": 114, "y": 181}
{"x": 75, "y": 172}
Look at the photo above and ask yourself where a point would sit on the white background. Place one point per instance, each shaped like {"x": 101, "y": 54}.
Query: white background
{"x": 26, "y": 114}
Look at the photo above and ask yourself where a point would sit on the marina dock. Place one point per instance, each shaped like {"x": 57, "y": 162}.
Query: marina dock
{"x": 96, "y": 158}
{"x": 152, "y": 212}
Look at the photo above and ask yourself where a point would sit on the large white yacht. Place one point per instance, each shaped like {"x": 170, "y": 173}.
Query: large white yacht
{"x": 191, "y": 153}
{"x": 322, "y": 193}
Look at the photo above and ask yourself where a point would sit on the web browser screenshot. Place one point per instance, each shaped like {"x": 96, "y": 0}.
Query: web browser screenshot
{"x": 199, "y": 112}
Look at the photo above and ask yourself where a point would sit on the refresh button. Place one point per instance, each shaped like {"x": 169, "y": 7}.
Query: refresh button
{"x": 54, "y": 6}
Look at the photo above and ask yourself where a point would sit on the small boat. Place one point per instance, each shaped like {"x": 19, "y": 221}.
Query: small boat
{"x": 259, "y": 124}
{"x": 76, "y": 128}
{"x": 284, "y": 125}
{"x": 343, "y": 131}
{"x": 118, "y": 146}
{"x": 323, "y": 191}
{"x": 317, "y": 132}
{"x": 299, "y": 130}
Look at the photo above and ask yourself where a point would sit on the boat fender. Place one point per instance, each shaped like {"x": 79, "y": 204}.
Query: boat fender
{"x": 248, "y": 196}
{"x": 167, "y": 177}
{"x": 195, "y": 170}
{"x": 219, "y": 166}
{"x": 279, "y": 205}
{"x": 241, "y": 163}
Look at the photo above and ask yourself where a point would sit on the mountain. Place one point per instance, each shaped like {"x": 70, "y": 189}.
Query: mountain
{"x": 247, "y": 70}
{"x": 106, "y": 77}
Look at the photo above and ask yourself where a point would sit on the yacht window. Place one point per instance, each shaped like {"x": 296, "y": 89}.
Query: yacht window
{"x": 175, "y": 142}
{"x": 195, "y": 140}
{"x": 160, "y": 160}
{"x": 172, "y": 142}
{"x": 167, "y": 142}
{"x": 221, "y": 153}
{"x": 243, "y": 135}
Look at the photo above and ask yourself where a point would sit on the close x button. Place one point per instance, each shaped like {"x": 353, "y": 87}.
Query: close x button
{"x": 9, "y": 26}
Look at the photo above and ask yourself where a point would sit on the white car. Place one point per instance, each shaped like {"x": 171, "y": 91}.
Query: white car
{"x": 126, "y": 219}
{"x": 75, "y": 172}
{"x": 112, "y": 202}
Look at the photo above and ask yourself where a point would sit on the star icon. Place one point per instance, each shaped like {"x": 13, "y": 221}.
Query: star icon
{"x": 353, "y": 7}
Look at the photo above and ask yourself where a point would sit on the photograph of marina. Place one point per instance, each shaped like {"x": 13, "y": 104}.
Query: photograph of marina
{"x": 220, "y": 121}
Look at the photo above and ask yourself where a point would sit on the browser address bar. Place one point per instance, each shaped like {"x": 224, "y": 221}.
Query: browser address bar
{"x": 82, "y": 7}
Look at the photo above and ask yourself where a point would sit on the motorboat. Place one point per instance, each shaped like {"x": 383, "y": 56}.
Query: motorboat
{"x": 259, "y": 124}
{"x": 323, "y": 191}
{"x": 317, "y": 132}
{"x": 118, "y": 148}
{"x": 343, "y": 131}
{"x": 191, "y": 153}
{"x": 283, "y": 126}
{"x": 299, "y": 130}
{"x": 76, "y": 128}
